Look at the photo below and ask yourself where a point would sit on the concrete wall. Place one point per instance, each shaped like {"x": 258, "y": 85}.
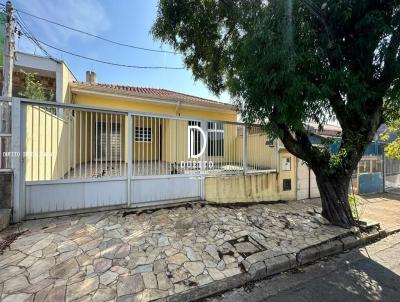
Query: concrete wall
{"x": 5, "y": 190}
{"x": 306, "y": 182}
{"x": 252, "y": 187}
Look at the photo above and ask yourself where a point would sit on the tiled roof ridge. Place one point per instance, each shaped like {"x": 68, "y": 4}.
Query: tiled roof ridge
{"x": 150, "y": 91}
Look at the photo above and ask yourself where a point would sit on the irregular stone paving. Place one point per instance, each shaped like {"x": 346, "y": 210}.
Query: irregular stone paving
{"x": 105, "y": 256}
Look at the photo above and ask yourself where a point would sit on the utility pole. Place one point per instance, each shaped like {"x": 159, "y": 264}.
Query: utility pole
{"x": 8, "y": 51}
{"x": 8, "y": 66}
{"x": 7, "y": 179}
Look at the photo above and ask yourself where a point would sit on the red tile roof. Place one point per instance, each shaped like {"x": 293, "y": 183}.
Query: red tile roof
{"x": 147, "y": 92}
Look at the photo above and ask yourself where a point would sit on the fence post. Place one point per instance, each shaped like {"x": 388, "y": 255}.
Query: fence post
{"x": 130, "y": 159}
{"x": 277, "y": 157}
{"x": 203, "y": 158}
{"x": 244, "y": 151}
{"x": 383, "y": 169}
{"x": 16, "y": 159}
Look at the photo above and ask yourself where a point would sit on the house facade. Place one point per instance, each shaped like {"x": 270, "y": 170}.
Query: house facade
{"x": 110, "y": 146}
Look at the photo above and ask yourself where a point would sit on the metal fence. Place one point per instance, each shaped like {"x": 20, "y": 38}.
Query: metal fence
{"x": 5, "y": 135}
{"x": 392, "y": 175}
{"x": 65, "y": 141}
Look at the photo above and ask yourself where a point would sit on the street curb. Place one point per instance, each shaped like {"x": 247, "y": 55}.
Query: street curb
{"x": 258, "y": 266}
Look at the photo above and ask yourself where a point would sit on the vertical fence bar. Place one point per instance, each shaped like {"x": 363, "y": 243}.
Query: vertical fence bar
{"x": 45, "y": 143}
{"x": 244, "y": 150}
{"x": 74, "y": 120}
{"x": 130, "y": 126}
{"x": 57, "y": 143}
{"x": 80, "y": 144}
{"x": 384, "y": 171}
{"x": 101, "y": 144}
{"x": 86, "y": 120}
{"x": 134, "y": 145}
{"x": 159, "y": 159}
{"x": 51, "y": 143}
{"x": 91, "y": 144}
{"x": 154, "y": 145}
{"x": 38, "y": 149}
{"x": 171, "y": 148}
{"x": 32, "y": 133}
{"x": 111, "y": 144}
{"x": 139, "y": 145}
{"x": 107, "y": 141}
{"x": 141, "y": 138}
{"x": 69, "y": 155}
{"x": 120, "y": 145}
{"x": 229, "y": 151}
{"x": 96, "y": 144}
{"x": 147, "y": 144}
{"x": 62, "y": 136}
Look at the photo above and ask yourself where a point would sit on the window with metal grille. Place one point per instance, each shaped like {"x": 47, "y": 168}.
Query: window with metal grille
{"x": 196, "y": 137}
{"x": 108, "y": 140}
{"x": 142, "y": 134}
{"x": 215, "y": 139}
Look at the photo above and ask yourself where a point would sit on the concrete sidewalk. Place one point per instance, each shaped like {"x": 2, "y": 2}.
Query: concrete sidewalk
{"x": 180, "y": 254}
{"x": 370, "y": 273}
{"x": 383, "y": 208}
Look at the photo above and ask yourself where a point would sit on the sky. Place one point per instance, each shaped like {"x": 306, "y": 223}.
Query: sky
{"x": 126, "y": 21}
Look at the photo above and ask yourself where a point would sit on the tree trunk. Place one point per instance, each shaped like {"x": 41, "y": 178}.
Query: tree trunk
{"x": 334, "y": 197}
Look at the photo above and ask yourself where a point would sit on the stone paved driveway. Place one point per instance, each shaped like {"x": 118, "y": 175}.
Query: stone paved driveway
{"x": 140, "y": 257}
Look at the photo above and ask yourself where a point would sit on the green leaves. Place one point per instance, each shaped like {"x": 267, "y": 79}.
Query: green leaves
{"x": 294, "y": 61}
{"x": 33, "y": 88}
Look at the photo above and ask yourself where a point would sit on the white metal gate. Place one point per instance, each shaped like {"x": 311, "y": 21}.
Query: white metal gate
{"x": 77, "y": 157}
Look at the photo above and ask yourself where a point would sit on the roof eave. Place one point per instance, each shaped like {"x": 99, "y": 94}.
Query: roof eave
{"x": 91, "y": 90}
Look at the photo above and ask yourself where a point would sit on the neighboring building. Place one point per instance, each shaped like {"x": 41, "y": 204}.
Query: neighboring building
{"x": 367, "y": 178}
{"x": 54, "y": 76}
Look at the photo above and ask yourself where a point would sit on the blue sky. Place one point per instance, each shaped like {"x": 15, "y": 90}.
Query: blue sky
{"x": 127, "y": 21}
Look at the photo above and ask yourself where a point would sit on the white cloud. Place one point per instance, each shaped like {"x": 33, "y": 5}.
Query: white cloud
{"x": 86, "y": 15}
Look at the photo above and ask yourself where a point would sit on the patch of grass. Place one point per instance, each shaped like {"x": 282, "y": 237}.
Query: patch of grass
{"x": 354, "y": 200}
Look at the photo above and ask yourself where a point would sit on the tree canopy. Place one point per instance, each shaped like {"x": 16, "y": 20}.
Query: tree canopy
{"x": 287, "y": 63}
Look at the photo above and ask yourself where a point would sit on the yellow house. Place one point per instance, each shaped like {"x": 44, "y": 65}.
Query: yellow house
{"x": 123, "y": 145}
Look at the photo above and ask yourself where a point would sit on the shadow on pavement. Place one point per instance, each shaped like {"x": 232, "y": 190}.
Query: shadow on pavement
{"x": 363, "y": 280}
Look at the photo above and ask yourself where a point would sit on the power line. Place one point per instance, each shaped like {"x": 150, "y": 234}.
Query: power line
{"x": 28, "y": 34}
{"x": 95, "y": 36}
{"x": 40, "y": 44}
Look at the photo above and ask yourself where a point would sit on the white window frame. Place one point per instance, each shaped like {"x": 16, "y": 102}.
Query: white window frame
{"x": 143, "y": 136}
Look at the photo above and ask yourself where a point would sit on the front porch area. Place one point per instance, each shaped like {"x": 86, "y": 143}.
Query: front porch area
{"x": 79, "y": 158}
